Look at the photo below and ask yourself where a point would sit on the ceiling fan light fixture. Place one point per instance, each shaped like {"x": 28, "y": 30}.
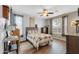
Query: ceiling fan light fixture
{"x": 45, "y": 11}
{"x": 45, "y": 14}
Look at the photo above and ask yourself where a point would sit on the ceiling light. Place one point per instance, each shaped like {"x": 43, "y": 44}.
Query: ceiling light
{"x": 45, "y": 12}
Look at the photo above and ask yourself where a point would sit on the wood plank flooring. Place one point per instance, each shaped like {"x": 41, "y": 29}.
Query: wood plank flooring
{"x": 55, "y": 47}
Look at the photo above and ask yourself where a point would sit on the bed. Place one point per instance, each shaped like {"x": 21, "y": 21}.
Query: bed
{"x": 36, "y": 38}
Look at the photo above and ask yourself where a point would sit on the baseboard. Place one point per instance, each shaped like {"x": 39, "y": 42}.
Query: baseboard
{"x": 59, "y": 39}
{"x": 23, "y": 41}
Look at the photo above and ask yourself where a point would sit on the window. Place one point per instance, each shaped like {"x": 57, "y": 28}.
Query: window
{"x": 57, "y": 26}
{"x": 18, "y": 21}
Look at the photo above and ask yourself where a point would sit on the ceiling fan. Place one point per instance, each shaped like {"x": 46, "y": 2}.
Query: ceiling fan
{"x": 45, "y": 12}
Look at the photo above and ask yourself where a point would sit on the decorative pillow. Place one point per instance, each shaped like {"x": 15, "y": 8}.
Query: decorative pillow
{"x": 29, "y": 32}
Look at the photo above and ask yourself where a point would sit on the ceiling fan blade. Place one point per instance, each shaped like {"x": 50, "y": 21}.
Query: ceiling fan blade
{"x": 50, "y": 13}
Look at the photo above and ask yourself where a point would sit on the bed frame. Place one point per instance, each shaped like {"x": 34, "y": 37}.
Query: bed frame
{"x": 30, "y": 29}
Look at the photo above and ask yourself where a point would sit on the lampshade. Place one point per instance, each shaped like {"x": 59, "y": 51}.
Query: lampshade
{"x": 73, "y": 23}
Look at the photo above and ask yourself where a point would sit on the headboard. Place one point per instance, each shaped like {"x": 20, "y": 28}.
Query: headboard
{"x": 30, "y": 29}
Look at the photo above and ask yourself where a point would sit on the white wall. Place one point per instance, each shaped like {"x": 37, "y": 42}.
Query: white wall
{"x": 26, "y": 20}
{"x": 1, "y": 11}
{"x": 40, "y": 21}
{"x": 25, "y": 24}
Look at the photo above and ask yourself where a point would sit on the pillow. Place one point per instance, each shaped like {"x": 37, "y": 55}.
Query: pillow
{"x": 29, "y": 32}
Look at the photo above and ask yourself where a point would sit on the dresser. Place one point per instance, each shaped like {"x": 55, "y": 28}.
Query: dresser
{"x": 44, "y": 30}
{"x": 72, "y": 44}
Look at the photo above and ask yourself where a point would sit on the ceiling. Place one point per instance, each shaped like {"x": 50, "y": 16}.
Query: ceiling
{"x": 34, "y": 9}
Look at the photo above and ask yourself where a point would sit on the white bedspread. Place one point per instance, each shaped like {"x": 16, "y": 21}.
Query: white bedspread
{"x": 39, "y": 38}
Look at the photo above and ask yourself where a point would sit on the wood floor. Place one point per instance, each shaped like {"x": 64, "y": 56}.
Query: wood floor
{"x": 55, "y": 47}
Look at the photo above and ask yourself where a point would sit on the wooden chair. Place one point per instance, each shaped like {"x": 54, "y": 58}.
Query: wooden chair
{"x": 16, "y": 32}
